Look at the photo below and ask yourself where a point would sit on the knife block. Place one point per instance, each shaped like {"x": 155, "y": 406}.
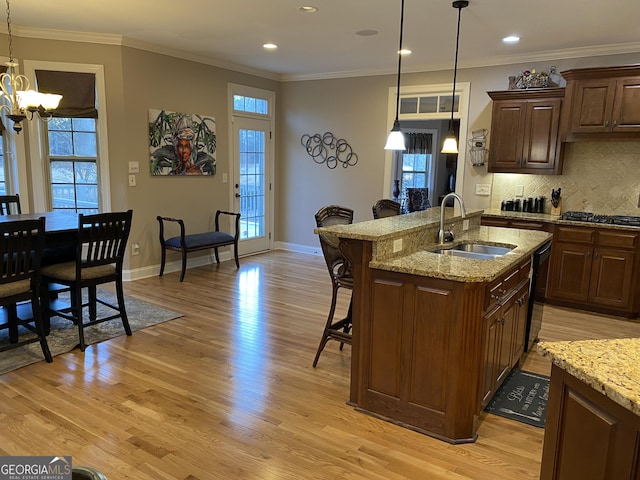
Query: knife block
{"x": 557, "y": 211}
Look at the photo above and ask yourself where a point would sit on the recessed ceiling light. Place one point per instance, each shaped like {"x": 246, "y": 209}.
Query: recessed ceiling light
{"x": 269, "y": 46}
{"x": 511, "y": 39}
{"x": 405, "y": 51}
{"x": 367, "y": 33}
{"x": 308, "y": 9}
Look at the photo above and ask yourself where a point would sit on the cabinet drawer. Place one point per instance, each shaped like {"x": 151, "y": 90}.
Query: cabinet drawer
{"x": 498, "y": 290}
{"x": 524, "y": 225}
{"x": 611, "y": 238}
{"x": 576, "y": 235}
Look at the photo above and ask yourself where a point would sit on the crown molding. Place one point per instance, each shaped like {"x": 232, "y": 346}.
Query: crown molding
{"x": 489, "y": 61}
{"x": 65, "y": 35}
{"x": 151, "y": 47}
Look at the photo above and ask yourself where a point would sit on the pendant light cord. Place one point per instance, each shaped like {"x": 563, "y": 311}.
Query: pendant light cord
{"x": 455, "y": 69}
{"x": 399, "y": 60}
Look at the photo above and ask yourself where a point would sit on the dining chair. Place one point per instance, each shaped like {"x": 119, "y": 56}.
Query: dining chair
{"x": 417, "y": 199}
{"x": 10, "y": 204}
{"x": 340, "y": 273}
{"x": 100, "y": 248}
{"x": 385, "y": 208}
{"x": 21, "y": 249}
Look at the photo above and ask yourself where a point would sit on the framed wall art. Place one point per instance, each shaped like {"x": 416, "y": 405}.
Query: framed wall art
{"x": 181, "y": 143}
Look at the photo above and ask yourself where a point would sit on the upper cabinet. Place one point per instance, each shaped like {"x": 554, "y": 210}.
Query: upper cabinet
{"x": 525, "y": 126}
{"x": 602, "y": 104}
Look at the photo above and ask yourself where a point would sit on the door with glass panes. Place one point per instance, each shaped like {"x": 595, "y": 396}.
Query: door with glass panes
{"x": 252, "y": 183}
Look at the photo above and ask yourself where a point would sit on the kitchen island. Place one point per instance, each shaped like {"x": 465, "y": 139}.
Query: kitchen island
{"x": 434, "y": 335}
{"x": 593, "y": 419}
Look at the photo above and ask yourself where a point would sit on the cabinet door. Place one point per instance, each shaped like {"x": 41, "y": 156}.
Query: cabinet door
{"x": 505, "y": 349}
{"x": 507, "y": 123}
{"x": 541, "y": 134}
{"x": 491, "y": 354}
{"x": 626, "y": 107}
{"x": 611, "y": 277}
{"x": 570, "y": 272}
{"x": 593, "y": 105}
{"x": 520, "y": 325}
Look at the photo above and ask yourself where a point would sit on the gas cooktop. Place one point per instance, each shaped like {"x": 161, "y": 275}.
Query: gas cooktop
{"x": 595, "y": 218}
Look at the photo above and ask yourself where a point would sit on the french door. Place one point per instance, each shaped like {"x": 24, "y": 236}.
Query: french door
{"x": 252, "y": 183}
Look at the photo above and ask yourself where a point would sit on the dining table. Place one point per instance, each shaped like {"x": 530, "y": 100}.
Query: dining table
{"x": 60, "y": 227}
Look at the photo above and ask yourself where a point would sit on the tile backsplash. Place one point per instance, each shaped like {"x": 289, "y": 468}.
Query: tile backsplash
{"x": 602, "y": 178}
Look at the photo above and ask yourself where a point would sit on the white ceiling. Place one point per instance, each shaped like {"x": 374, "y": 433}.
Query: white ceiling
{"x": 324, "y": 44}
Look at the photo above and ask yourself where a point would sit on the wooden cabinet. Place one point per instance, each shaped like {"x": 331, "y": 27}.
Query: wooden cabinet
{"x": 588, "y": 435}
{"x": 525, "y": 127}
{"x": 595, "y": 267}
{"x": 602, "y": 104}
{"x": 504, "y": 324}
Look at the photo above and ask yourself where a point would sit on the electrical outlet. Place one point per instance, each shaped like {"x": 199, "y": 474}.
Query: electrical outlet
{"x": 135, "y": 248}
{"x": 519, "y": 190}
{"x": 465, "y": 225}
{"x": 483, "y": 189}
{"x": 397, "y": 245}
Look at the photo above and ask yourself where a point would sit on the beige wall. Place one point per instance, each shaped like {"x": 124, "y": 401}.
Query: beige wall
{"x": 354, "y": 109}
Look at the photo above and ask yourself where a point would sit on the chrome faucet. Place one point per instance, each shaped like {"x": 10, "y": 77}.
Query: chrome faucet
{"x": 442, "y": 236}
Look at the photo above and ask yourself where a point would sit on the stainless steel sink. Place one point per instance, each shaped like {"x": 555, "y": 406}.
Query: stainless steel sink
{"x": 480, "y": 248}
{"x": 476, "y": 251}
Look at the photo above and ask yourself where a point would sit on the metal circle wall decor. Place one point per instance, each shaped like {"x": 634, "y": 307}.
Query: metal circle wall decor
{"x": 328, "y": 149}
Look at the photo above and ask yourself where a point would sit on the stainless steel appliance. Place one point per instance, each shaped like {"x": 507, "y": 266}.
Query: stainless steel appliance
{"x": 537, "y": 291}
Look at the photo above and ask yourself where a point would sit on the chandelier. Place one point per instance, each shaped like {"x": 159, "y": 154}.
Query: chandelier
{"x": 19, "y": 101}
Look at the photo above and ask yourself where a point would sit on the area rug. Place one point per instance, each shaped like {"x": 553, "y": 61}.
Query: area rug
{"x": 522, "y": 397}
{"x": 64, "y": 334}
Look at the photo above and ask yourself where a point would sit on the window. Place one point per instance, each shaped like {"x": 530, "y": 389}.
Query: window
{"x": 416, "y": 169}
{"x": 250, "y": 105}
{"x": 73, "y": 164}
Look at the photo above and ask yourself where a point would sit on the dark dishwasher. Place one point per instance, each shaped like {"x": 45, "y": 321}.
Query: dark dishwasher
{"x": 537, "y": 291}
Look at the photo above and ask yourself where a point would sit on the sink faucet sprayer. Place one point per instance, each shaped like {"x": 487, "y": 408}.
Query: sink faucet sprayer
{"x": 442, "y": 237}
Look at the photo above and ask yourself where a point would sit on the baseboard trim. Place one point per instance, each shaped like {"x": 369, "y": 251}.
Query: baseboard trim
{"x": 202, "y": 260}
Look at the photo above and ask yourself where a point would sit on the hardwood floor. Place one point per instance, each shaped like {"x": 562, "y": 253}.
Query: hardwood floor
{"x": 228, "y": 392}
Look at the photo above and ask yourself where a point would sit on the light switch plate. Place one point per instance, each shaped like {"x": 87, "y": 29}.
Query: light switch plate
{"x": 132, "y": 180}
{"x": 519, "y": 190}
{"x": 397, "y": 245}
{"x": 134, "y": 167}
{"x": 483, "y": 189}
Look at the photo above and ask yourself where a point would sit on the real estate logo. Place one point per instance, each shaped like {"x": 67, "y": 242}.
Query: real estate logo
{"x": 35, "y": 468}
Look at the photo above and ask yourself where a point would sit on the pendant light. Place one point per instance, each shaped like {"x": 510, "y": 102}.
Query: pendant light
{"x": 450, "y": 142}
{"x": 395, "y": 140}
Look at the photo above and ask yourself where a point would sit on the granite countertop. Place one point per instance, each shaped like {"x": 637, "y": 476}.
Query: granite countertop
{"x": 545, "y": 217}
{"x": 426, "y": 263}
{"x": 383, "y": 228}
{"x": 608, "y": 366}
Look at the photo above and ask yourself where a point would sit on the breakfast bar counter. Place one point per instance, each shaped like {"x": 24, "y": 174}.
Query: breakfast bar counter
{"x": 434, "y": 334}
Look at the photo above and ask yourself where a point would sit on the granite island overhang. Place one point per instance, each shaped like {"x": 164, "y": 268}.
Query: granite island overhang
{"x": 424, "y": 324}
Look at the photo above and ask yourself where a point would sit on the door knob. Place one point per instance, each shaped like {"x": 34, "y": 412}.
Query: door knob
{"x": 237, "y": 195}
